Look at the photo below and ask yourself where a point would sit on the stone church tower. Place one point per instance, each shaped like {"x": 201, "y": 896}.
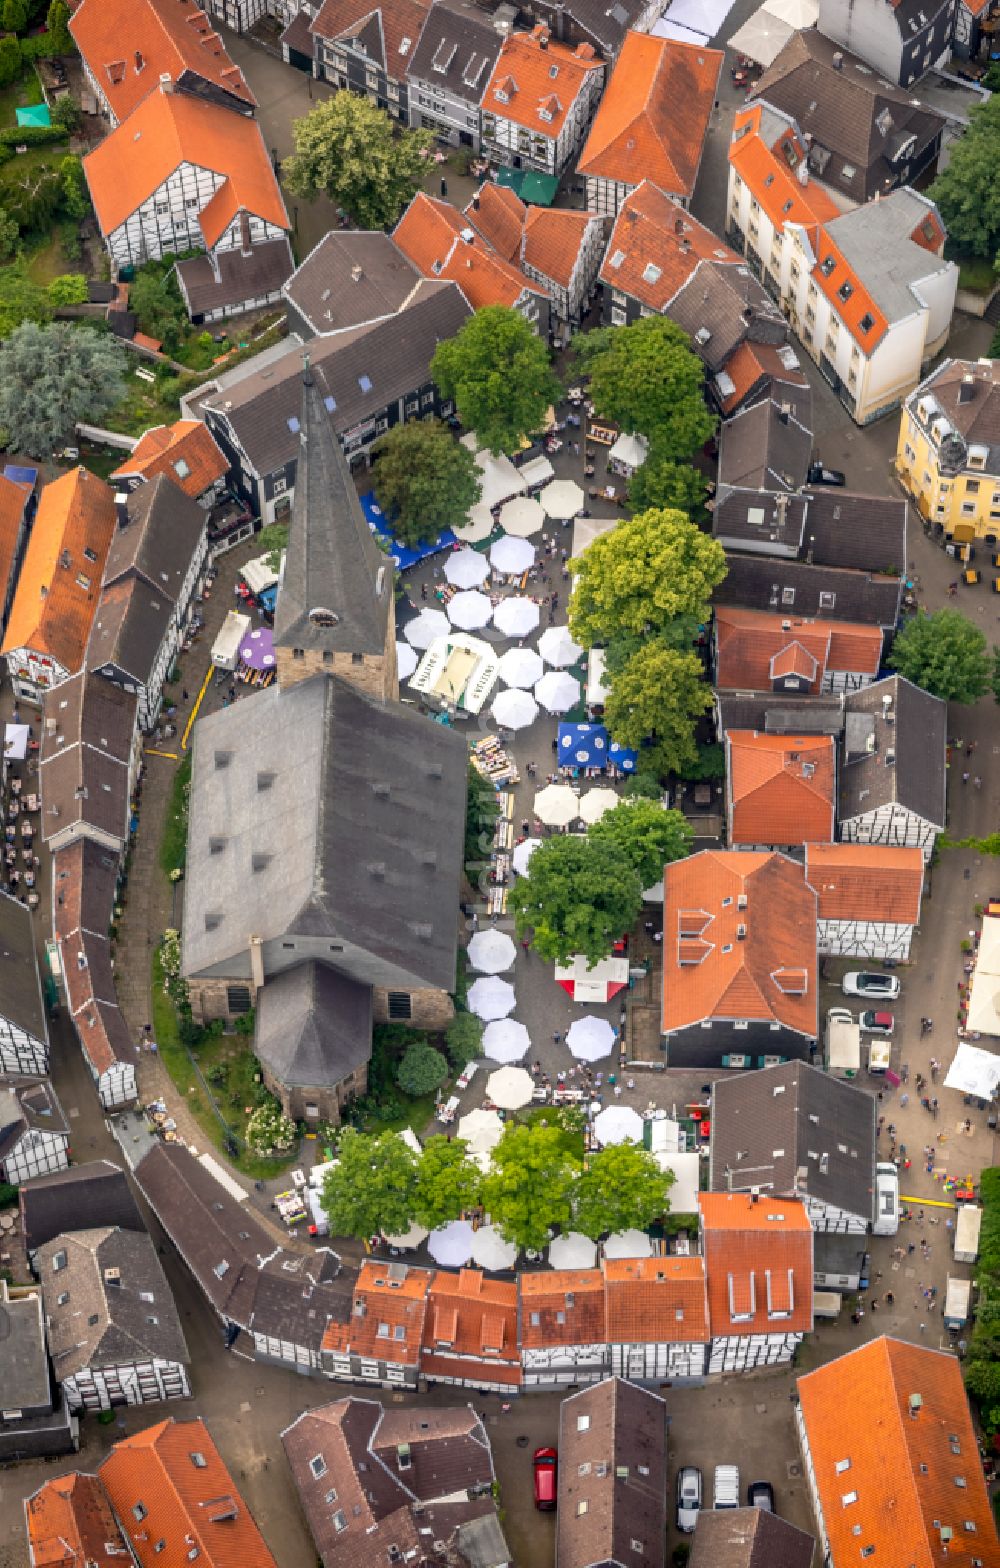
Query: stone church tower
{"x": 335, "y": 613}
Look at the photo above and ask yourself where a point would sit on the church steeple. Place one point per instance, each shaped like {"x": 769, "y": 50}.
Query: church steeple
{"x": 335, "y": 609}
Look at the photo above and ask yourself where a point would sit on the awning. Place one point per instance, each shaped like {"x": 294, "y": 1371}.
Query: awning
{"x": 583, "y": 746}
{"x": 630, "y": 451}
{"x": 15, "y": 742}
{"x": 762, "y": 37}
{"x": 974, "y": 1071}
{"x": 404, "y": 556}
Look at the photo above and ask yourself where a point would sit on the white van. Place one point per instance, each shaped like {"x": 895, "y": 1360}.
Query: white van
{"x": 726, "y": 1490}
{"x": 967, "y": 1233}
{"x": 886, "y": 1201}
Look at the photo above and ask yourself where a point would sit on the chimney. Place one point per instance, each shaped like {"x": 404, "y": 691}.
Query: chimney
{"x": 256, "y": 963}
{"x": 782, "y": 507}
{"x": 475, "y": 202}
{"x": 166, "y": 82}
{"x": 754, "y": 1194}
{"x": 679, "y": 225}
{"x": 121, "y": 508}
{"x": 357, "y": 273}
{"x": 246, "y": 248}
{"x": 838, "y": 61}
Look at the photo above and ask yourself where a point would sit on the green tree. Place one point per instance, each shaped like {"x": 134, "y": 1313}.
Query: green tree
{"x": 425, "y": 480}
{"x": 622, "y": 1188}
{"x": 57, "y": 23}
{"x": 75, "y": 194}
{"x": 15, "y": 15}
{"x": 662, "y": 482}
{"x": 32, "y": 195}
{"x": 579, "y": 896}
{"x": 945, "y": 654}
{"x": 156, "y": 300}
{"x": 464, "y": 1037}
{"x": 421, "y": 1070}
{"x": 50, "y": 378}
{"x": 648, "y": 571}
{"x": 66, "y": 111}
{"x": 448, "y": 1182}
{"x": 497, "y": 371}
{"x": 647, "y": 834}
{"x": 967, "y": 192}
{"x": 647, "y": 379}
{"x": 654, "y": 706}
{"x": 70, "y": 288}
{"x": 350, "y": 150}
{"x": 371, "y": 1189}
{"x": 10, "y": 60}
{"x": 10, "y": 233}
{"x": 272, "y": 541}
{"x": 21, "y": 300}
{"x": 481, "y": 811}
{"x": 529, "y": 1188}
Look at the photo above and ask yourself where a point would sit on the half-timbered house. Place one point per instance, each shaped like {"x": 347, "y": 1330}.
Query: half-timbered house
{"x": 562, "y": 1327}
{"x": 867, "y": 899}
{"x": 892, "y": 769}
{"x": 759, "y": 1266}
{"x": 24, "y": 1036}
{"x": 657, "y": 1316}
{"x": 34, "y": 1133}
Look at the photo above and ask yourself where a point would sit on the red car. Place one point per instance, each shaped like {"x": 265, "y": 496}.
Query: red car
{"x": 545, "y": 1462}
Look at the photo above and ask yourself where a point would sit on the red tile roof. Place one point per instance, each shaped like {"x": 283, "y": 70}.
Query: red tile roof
{"x": 14, "y": 498}
{"x": 536, "y": 81}
{"x": 866, "y": 882}
{"x": 750, "y": 646}
{"x": 435, "y": 237}
{"x": 710, "y": 969}
{"x": 895, "y": 1458}
{"x": 187, "y": 1503}
{"x": 185, "y": 451}
{"x": 498, "y": 213}
{"x": 130, "y": 44}
{"x": 471, "y": 1316}
{"x": 655, "y": 246}
{"x": 758, "y": 1262}
{"x": 552, "y": 240}
{"x": 749, "y": 364}
{"x": 70, "y": 1525}
{"x": 656, "y": 1300}
{"x": 569, "y": 1306}
{"x": 387, "y": 1321}
{"x": 654, "y": 115}
{"x": 781, "y": 787}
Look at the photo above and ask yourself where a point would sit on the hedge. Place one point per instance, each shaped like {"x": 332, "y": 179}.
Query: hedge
{"x": 32, "y": 135}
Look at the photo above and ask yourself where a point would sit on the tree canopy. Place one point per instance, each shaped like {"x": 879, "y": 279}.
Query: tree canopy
{"x": 579, "y": 896}
{"x": 350, "y": 150}
{"x": 968, "y": 191}
{"x": 497, "y": 371}
{"x": 529, "y": 1187}
{"x": 945, "y": 654}
{"x": 646, "y": 379}
{"x": 464, "y": 1037}
{"x": 425, "y": 480}
{"x": 50, "y": 378}
{"x": 649, "y": 570}
{"x": 21, "y": 298}
{"x": 371, "y": 1189}
{"x": 648, "y": 834}
{"x": 621, "y": 1188}
{"x": 654, "y": 706}
{"x": 662, "y": 482}
{"x": 156, "y": 300}
{"x": 422, "y": 1069}
{"x": 448, "y": 1182}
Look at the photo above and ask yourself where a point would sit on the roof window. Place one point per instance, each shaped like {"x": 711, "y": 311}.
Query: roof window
{"x": 827, "y": 265}
{"x": 867, "y": 322}
{"x": 845, "y": 291}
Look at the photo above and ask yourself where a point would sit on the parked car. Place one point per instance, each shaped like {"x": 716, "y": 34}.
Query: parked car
{"x": 688, "y": 1498}
{"x": 546, "y": 1468}
{"x": 868, "y": 982}
{"x": 876, "y": 1023}
{"x": 886, "y": 1200}
{"x": 726, "y": 1490}
{"x": 819, "y": 474}
{"x": 760, "y": 1494}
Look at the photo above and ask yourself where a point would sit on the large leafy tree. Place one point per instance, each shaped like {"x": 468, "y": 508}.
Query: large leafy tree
{"x": 448, "y": 1182}
{"x": 422, "y": 1069}
{"x": 464, "y": 1038}
{"x": 945, "y": 654}
{"x": 529, "y": 1188}
{"x": 10, "y": 233}
{"x": 647, "y": 379}
{"x": 57, "y": 22}
{"x": 968, "y": 191}
{"x": 648, "y": 571}
{"x": 21, "y": 298}
{"x": 371, "y": 1189}
{"x": 497, "y": 371}
{"x": 156, "y": 300}
{"x": 579, "y": 896}
{"x": 663, "y": 482}
{"x": 654, "y": 705}
{"x": 621, "y": 1188}
{"x": 425, "y": 480}
{"x": 50, "y": 378}
{"x": 350, "y": 150}
{"x": 648, "y": 834}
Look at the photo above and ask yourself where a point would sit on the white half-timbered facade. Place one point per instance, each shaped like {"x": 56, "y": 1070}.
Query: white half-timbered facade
{"x": 21, "y": 1052}
{"x": 126, "y": 1383}
{"x": 168, "y": 221}
{"x": 34, "y": 1135}
{"x": 875, "y": 939}
{"x": 24, "y": 1039}
{"x": 758, "y": 1259}
{"x": 833, "y": 1220}
{"x": 556, "y": 1366}
{"x": 892, "y": 769}
{"x": 657, "y": 1362}
{"x": 745, "y": 1353}
{"x": 540, "y": 101}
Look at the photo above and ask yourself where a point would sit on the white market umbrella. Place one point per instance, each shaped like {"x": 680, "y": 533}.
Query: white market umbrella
{"x": 490, "y": 1251}
{"x": 572, "y": 1251}
{"x": 511, "y": 555}
{"x": 522, "y": 854}
{"x": 490, "y": 997}
{"x": 478, "y": 527}
{"x": 589, "y": 1038}
{"x": 521, "y": 667}
{"x": 451, "y": 1245}
{"x": 510, "y": 1088}
{"x": 562, "y": 498}
{"x": 557, "y": 647}
{"x": 557, "y": 692}
{"x": 409, "y": 1239}
{"x": 506, "y": 1040}
{"x": 470, "y": 610}
{"x": 628, "y": 1244}
{"x": 426, "y": 628}
{"x": 618, "y": 1124}
{"x": 466, "y": 568}
{"x": 406, "y": 660}
{"x": 521, "y": 517}
{"x": 481, "y": 1130}
{"x": 557, "y": 805}
{"x": 491, "y": 951}
{"x": 596, "y": 802}
{"x": 516, "y": 617}
{"x": 514, "y": 710}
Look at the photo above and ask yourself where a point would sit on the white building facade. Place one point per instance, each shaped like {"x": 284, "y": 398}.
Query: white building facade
{"x": 36, "y": 1152}
{"x": 168, "y": 221}
{"x": 126, "y": 1383}
{"x": 869, "y": 939}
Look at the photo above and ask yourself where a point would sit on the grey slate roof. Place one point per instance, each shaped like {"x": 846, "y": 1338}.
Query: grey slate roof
{"x": 242, "y": 279}
{"x": 24, "y": 1366}
{"x": 84, "y": 758}
{"x": 84, "y": 1197}
{"x": 28, "y": 1105}
{"x": 793, "y": 1129}
{"x": 971, "y": 407}
{"x": 766, "y": 446}
{"x": 336, "y": 590}
{"x": 748, "y": 1538}
{"x": 362, "y": 813}
{"x": 827, "y": 527}
{"x": 894, "y": 751}
{"x": 456, "y": 51}
{"x": 758, "y": 582}
{"x": 350, "y": 278}
{"x": 764, "y": 523}
{"x": 160, "y": 539}
{"x": 314, "y": 1026}
{"x": 728, "y": 303}
{"x": 605, "y": 24}
{"x": 130, "y": 624}
{"x": 20, "y": 986}
{"x": 779, "y": 715}
{"x": 875, "y": 241}
{"x": 627, "y": 1428}
{"x": 449, "y": 1449}
{"x": 102, "y": 1323}
{"x": 854, "y": 114}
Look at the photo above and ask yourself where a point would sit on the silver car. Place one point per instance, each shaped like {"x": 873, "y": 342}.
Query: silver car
{"x": 869, "y": 982}
{"x": 688, "y": 1498}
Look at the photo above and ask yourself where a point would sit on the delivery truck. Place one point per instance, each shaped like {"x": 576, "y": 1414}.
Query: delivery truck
{"x": 226, "y": 647}
{"x": 967, "y": 1223}
{"x": 843, "y": 1043}
{"x": 956, "y": 1304}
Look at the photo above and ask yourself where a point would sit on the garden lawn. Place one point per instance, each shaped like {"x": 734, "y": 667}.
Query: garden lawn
{"x": 416, "y": 1113}
{"x": 976, "y": 273}
{"x": 17, "y": 95}
{"x": 173, "y": 844}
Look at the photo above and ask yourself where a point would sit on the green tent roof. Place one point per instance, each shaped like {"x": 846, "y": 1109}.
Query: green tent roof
{"x": 538, "y": 190}
{"x": 34, "y": 114}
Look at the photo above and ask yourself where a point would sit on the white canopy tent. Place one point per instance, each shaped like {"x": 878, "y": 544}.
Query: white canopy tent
{"x": 557, "y": 647}
{"x": 684, "y": 1192}
{"x": 500, "y": 481}
{"x": 590, "y": 1037}
{"x": 470, "y": 609}
{"x": 426, "y": 628}
{"x": 974, "y": 1071}
{"x": 562, "y": 498}
{"x": 510, "y": 1088}
{"x": 521, "y": 667}
{"x": 510, "y": 555}
{"x": 628, "y": 1244}
{"x": 514, "y": 709}
{"x": 516, "y": 617}
{"x": 409, "y": 1239}
{"x": 481, "y": 1130}
{"x": 631, "y": 451}
{"x": 984, "y": 992}
{"x": 492, "y": 951}
{"x": 596, "y": 802}
{"x": 797, "y": 13}
{"x": 572, "y": 1251}
{"x": 451, "y": 1245}
{"x": 521, "y": 517}
{"x": 557, "y": 691}
{"x": 490, "y": 997}
{"x": 537, "y": 471}
{"x": 557, "y": 805}
{"x": 522, "y": 855}
{"x": 506, "y": 1040}
{"x": 617, "y": 1124}
{"x": 478, "y": 527}
{"x": 762, "y": 37}
{"x": 15, "y": 742}
{"x": 490, "y": 1250}
{"x": 406, "y": 660}
{"x": 597, "y": 984}
{"x": 466, "y": 568}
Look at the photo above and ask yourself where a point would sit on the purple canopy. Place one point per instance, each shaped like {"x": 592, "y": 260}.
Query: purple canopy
{"x": 257, "y": 650}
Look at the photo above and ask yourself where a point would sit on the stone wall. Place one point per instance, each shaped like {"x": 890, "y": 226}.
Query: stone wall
{"x": 297, "y": 1103}
{"x": 373, "y": 674}
{"x": 430, "y": 1009}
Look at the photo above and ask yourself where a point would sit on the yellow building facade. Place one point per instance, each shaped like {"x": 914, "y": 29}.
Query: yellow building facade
{"x": 948, "y": 456}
